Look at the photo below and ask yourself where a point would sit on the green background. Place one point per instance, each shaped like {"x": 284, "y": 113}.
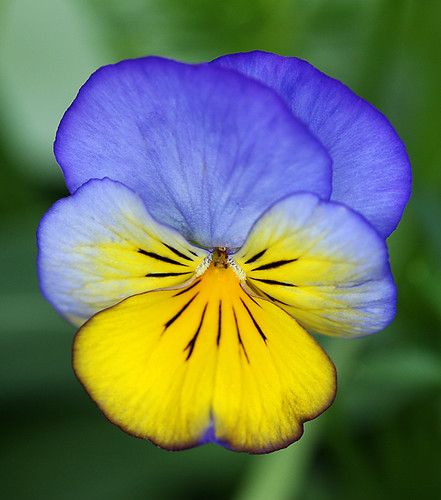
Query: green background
{"x": 382, "y": 437}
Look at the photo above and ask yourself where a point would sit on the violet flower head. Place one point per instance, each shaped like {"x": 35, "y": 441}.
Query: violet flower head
{"x": 220, "y": 213}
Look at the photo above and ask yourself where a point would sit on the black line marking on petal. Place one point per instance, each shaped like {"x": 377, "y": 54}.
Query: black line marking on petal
{"x": 254, "y": 300}
{"x": 161, "y": 258}
{"x": 273, "y": 298}
{"x": 164, "y": 275}
{"x": 239, "y": 338}
{"x": 219, "y": 324}
{"x": 176, "y": 316}
{"x": 255, "y": 257}
{"x": 253, "y": 319}
{"x": 273, "y": 265}
{"x": 187, "y": 289}
{"x": 178, "y": 253}
{"x": 259, "y": 292}
{"x": 191, "y": 344}
{"x": 273, "y": 282}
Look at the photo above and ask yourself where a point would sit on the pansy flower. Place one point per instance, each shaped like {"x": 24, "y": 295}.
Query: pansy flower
{"x": 220, "y": 213}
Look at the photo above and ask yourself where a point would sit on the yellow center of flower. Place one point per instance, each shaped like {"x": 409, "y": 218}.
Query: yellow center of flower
{"x": 221, "y": 259}
{"x": 208, "y": 357}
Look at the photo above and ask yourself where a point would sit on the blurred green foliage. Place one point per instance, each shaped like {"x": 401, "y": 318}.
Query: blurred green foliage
{"x": 382, "y": 437}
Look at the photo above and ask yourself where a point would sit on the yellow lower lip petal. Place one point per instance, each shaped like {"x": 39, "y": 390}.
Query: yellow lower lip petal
{"x": 173, "y": 365}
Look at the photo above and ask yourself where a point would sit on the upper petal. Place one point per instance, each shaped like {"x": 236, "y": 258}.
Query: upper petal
{"x": 207, "y": 149}
{"x": 371, "y": 169}
{"x": 100, "y": 245}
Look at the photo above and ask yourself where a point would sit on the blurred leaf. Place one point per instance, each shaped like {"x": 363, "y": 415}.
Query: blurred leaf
{"x": 280, "y": 476}
{"x": 403, "y": 369}
{"x": 47, "y": 50}
{"x": 388, "y": 381}
{"x": 68, "y": 455}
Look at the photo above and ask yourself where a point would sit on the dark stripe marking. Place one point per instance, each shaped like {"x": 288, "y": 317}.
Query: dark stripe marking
{"x": 273, "y": 282}
{"x": 156, "y": 256}
{"x": 253, "y": 319}
{"x": 273, "y": 265}
{"x": 164, "y": 275}
{"x": 254, "y": 300}
{"x": 191, "y": 344}
{"x": 239, "y": 338}
{"x": 178, "y": 253}
{"x": 219, "y": 324}
{"x": 176, "y": 316}
{"x": 255, "y": 257}
{"x": 187, "y": 289}
{"x": 274, "y": 299}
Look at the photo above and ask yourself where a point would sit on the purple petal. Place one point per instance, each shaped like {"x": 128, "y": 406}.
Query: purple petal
{"x": 207, "y": 149}
{"x": 371, "y": 170}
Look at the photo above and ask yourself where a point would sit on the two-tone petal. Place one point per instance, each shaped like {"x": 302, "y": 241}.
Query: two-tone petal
{"x": 100, "y": 245}
{"x": 323, "y": 263}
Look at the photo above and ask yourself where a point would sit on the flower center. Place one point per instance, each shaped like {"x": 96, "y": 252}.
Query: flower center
{"x": 220, "y": 259}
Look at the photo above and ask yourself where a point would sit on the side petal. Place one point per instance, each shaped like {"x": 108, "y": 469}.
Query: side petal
{"x": 100, "y": 245}
{"x": 206, "y": 363}
{"x": 322, "y": 263}
{"x": 191, "y": 140}
{"x": 371, "y": 169}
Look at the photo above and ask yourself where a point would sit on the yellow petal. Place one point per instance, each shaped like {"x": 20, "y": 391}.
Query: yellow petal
{"x": 206, "y": 362}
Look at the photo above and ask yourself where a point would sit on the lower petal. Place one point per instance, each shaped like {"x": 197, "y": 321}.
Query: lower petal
{"x": 204, "y": 363}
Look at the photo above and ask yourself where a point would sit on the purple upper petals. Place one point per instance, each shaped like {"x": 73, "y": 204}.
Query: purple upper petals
{"x": 371, "y": 170}
{"x": 207, "y": 149}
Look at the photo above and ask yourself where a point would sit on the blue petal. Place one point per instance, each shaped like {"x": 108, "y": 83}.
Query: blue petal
{"x": 371, "y": 170}
{"x": 207, "y": 149}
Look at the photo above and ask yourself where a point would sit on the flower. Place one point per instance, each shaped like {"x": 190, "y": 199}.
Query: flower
{"x": 218, "y": 213}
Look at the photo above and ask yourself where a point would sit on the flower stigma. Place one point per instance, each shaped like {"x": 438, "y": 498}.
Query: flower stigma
{"x": 220, "y": 259}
